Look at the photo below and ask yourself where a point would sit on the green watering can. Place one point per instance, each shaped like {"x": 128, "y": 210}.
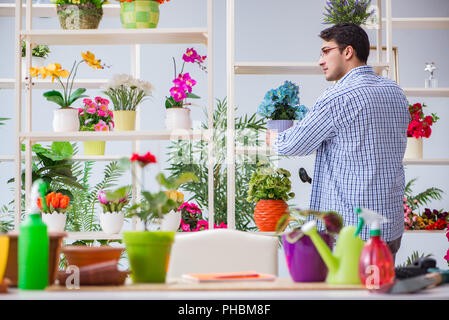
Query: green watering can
{"x": 343, "y": 265}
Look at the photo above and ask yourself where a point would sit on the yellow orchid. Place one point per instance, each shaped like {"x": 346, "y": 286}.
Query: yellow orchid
{"x": 34, "y": 72}
{"x": 89, "y": 58}
{"x": 54, "y": 70}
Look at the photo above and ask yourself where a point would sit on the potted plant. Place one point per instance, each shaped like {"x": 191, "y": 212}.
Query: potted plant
{"x": 303, "y": 260}
{"x": 112, "y": 203}
{"x": 54, "y": 216}
{"x": 192, "y": 220}
{"x": 136, "y": 14}
{"x": 177, "y": 114}
{"x": 281, "y": 107}
{"x": 38, "y": 55}
{"x": 172, "y": 220}
{"x": 126, "y": 93}
{"x": 269, "y": 188}
{"x": 149, "y": 251}
{"x": 95, "y": 116}
{"x": 353, "y": 11}
{"x": 418, "y": 128}
{"x": 65, "y": 119}
{"x": 79, "y": 14}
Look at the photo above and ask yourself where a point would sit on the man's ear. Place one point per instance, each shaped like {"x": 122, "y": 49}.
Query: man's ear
{"x": 349, "y": 52}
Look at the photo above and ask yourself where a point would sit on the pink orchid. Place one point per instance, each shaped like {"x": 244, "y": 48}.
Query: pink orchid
{"x": 190, "y": 55}
{"x": 178, "y": 93}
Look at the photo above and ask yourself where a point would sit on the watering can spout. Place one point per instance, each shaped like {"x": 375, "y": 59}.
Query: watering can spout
{"x": 329, "y": 259}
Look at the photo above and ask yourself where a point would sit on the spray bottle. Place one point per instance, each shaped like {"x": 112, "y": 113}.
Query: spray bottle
{"x": 376, "y": 266}
{"x": 33, "y": 244}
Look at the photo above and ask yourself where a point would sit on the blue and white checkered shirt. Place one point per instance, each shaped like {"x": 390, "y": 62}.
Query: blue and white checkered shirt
{"x": 358, "y": 128}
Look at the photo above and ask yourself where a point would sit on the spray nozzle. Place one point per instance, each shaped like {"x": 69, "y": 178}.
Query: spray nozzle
{"x": 38, "y": 189}
{"x": 372, "y": 218}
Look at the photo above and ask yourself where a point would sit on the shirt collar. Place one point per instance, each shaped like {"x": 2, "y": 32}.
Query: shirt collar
{"x": 354, "y": 72}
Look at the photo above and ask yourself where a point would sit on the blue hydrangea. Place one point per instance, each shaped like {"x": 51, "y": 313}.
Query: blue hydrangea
{"x": 282, "y": 103}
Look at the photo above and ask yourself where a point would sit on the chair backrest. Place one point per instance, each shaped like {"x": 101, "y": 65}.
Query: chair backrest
{"x": 222, "y": 250}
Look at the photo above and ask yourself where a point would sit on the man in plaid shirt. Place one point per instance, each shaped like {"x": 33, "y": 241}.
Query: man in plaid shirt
{"x": 358, "y": 128}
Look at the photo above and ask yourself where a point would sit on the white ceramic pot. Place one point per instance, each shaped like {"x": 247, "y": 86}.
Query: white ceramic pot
{"x": 178, "y": 118}
{"x": 55, "y": 221}
{"x": 36, "y": 62}
{"x": 171, "y": 221}
{"x": 111, "y": 222}
{"x": 66, "y": 120}
{"x": 414, "y": 148}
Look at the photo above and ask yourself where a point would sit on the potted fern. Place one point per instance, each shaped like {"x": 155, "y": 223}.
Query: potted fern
{"x": 270, "y": 189}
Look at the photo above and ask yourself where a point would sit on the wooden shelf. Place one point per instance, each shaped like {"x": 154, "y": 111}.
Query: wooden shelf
{"x": 418, "y": 23}
{"x": 117, "y": 36}
{"x": 9, "y": 83}
{"x": 426, "y": 92}
{"x": 431, "y": 162}
{"x": 49, "y": 10}
{"x": 115, "y": 135}
{"x": 310, "y": 68}
{"x": 96, "y": 235}
{"x": 254, "y": 151}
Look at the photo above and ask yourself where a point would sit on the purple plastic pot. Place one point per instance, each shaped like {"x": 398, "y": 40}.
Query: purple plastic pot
{"x": 303, "y": 260}
{"x": 279, "y": 125}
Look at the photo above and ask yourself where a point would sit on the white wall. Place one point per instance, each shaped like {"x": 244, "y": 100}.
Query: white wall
{"x": 283, "y": 30}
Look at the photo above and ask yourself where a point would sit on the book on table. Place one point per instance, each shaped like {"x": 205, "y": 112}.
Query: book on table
{"x": 228, "y": 276}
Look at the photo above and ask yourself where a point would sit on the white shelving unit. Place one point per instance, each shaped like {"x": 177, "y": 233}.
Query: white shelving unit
{"x": 132, "y": 37}
{"x": 311, "y": 68}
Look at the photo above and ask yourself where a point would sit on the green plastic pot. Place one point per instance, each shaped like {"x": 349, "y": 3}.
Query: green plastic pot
{"x": 139, "y": 14}
{"x": 148, "y": 254}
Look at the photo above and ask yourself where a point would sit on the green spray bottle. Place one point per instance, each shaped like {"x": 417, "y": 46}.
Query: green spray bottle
{"x": 33, "y": 244}
{"x": 343, "y": 264}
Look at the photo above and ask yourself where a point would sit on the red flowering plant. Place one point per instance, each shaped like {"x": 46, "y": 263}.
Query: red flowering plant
{"x": 420, "y": 125}
{"x": 192, "y": 220}
{"x": 446, "y": 257}
{"x": 183, "y": 82}
{"x": 95, "y": 115}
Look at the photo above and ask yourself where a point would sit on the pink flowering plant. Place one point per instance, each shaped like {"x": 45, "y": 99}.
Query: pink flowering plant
{"x": 95, "y": 115}
{"x": 183, "y": 82}
{"x": 192, "y": 220}
{"x": 114, "y": 201}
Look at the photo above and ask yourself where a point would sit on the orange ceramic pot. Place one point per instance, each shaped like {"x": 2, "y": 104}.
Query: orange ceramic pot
{"x": 268, "y": 212}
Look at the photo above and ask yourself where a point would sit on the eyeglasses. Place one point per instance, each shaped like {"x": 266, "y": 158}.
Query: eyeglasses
{"x": 325, "y": 51}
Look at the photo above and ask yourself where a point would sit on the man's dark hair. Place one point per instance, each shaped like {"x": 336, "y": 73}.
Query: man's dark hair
{"x": 348, "y": 34}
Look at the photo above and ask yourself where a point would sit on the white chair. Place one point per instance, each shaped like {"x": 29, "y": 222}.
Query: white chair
{"x": 222, "y": 250}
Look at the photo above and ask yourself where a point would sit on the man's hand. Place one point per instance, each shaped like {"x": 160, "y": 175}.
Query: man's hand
{"x": 271, "y": 137}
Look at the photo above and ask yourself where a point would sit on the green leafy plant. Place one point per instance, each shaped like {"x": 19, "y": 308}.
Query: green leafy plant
{"x": 270, "y": 183}
{"x": 354, "y": 11}
{"x": 41, "y": 51}
{"x": 422, "y": 198}
{"x": 173, "y": 183}
{"x": 413, "y": 257}
{"x": 191, "y": 156}
{"x": 54, "y": 166}
{"x": 2, "y": 121}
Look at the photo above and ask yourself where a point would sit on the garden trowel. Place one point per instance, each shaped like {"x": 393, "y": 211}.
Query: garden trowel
{"x": 433, "y": 278}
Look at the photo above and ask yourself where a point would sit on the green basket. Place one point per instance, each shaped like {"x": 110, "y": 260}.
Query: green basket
{"x": 139, "y": 14}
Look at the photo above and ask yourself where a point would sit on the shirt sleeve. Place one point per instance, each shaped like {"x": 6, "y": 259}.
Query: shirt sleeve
{"x": 306, "y": 136}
